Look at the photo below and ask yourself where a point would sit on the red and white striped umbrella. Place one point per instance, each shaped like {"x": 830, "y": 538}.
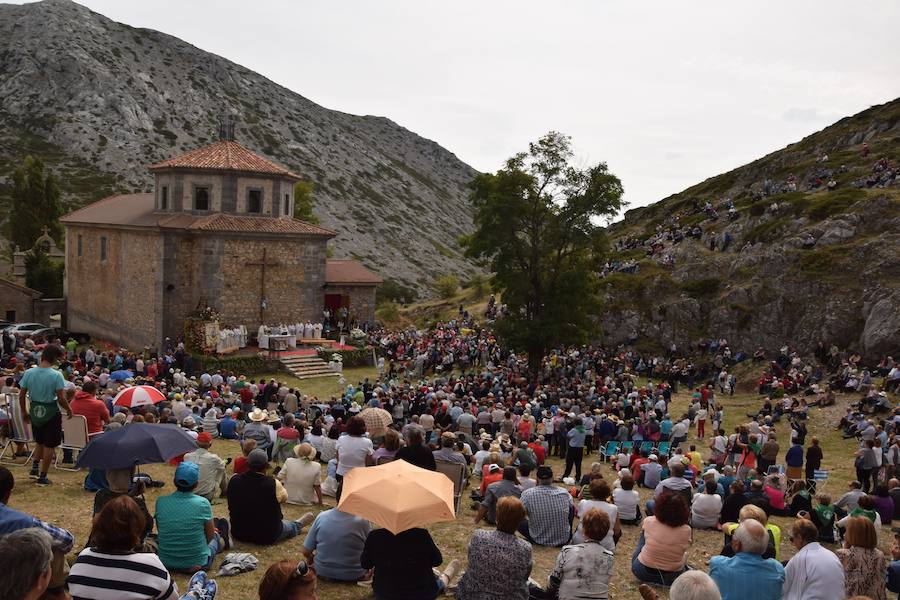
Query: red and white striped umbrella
{"x": 138, "y": 395}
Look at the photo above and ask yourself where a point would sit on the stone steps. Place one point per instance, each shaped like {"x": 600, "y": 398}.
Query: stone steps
{"x": 307, "y": 367}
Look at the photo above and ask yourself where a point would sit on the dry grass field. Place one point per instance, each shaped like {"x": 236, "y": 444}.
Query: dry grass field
{"x": 68, "y": 505}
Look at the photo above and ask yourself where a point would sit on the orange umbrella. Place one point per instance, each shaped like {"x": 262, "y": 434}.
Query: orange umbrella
{"x": 398, "y": 496}
{"x": 377, "y": 420}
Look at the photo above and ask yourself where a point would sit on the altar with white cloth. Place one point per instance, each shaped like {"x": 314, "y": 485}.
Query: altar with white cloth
{"x": 283, "y": 337}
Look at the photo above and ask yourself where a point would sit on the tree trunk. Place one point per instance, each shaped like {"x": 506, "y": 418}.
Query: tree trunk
{"x": 535, "y": 358}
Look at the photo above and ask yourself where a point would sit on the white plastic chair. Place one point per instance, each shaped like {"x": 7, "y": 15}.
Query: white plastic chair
{"x": 20, "y": 433}
{"x": 75, "y": 437}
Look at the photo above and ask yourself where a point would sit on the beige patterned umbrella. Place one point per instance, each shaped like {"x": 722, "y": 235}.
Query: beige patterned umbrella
{"x": 377, "y": 420}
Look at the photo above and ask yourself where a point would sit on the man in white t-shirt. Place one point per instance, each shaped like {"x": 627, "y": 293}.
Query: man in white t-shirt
{"x": 679, "y": 431}
{"x": 718, "y": 445}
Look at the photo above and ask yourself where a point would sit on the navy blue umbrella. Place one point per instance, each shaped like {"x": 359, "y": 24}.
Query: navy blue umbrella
{"x": 136, "y": 444}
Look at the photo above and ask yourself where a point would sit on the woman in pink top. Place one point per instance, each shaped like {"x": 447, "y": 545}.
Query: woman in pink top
{"x": 775, "y": 494}
{"x": 661, "y": 552}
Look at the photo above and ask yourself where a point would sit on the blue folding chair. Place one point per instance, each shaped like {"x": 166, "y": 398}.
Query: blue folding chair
{"x": 663, "y": 449}
{"x": 610, "y": 449}
{"x": 627, "y": 446}
{"x": 646, "y": 447}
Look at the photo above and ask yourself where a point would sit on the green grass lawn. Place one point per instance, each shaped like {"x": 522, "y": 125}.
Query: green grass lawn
{"x": 66, "y": 504}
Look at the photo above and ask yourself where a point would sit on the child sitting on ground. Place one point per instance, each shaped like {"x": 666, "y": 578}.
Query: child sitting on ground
{"x": 240, "y": 463}
{"x": 823, "y": 518}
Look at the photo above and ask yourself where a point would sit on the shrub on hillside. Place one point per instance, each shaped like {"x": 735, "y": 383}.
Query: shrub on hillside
{"x": 446, "y": 286}
{"x": 388, "y": 311}
{"x": 393, "y": 291}
{"x": 835, "y": 203}
{"x": 479, "y": 286}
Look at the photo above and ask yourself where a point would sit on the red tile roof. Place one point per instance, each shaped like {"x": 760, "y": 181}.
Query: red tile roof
{"x": 349, "y": 272}
{"x": 137, "y": 210}
{"x": 226, "y": 222}
{"x": 224, "y": 155}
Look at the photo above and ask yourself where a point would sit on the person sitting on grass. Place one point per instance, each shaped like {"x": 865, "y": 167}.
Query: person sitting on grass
{"x": 240, "y": 463}
{"x": 254, "y": 504}
{"x": 500, "y": 551}
{"x": 747, "y": 569}
{"x": 691, "y": 585}
{"x": 189, "y": 537}
{"x": 213, "y": 482}
{"x": 582, "y": 570}
{"x": 600, "y": 493}
{"x": 550, "y": 512}
{"x": 706, "y": 508}
{"x": 120, "y": 484}
{"x": 288, "y": 580}
{"x": 751, "y": 511}
{"x": 302, "y": 476}
{"x": 111, "y": 565}
{"x": 864, "y": 564}
{"x": 661, "y": 552}
{"x": 12, "y": 521}
{"x": 335, "y": 544}
{"x": 627, "y": 500}
{"x": 403, "y": 565}
{"x": 26, "y": 557}
{"x": 814, "y": 571}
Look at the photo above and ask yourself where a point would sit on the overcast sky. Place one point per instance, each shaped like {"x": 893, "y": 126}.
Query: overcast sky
{"x": 667, "y": 93}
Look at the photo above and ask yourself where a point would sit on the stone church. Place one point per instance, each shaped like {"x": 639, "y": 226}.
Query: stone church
{"x": 218, "y": 230}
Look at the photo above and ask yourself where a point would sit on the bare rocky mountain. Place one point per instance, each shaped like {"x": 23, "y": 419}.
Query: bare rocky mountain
{"x": 99, "y": 100}
{"x": 803, "y": 263}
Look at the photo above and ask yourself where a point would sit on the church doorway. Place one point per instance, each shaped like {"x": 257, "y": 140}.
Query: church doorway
{"x": 334, "y": 302}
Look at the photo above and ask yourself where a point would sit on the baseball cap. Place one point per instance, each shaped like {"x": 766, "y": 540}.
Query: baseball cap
{"x": 257, "y": 459}
{"x": 187, "y": 474}
{"x": 204, "y": 438}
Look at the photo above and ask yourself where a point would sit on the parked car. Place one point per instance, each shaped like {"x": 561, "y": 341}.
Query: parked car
{"x": 25, "y": 329}
{"x": 46, "y": 334}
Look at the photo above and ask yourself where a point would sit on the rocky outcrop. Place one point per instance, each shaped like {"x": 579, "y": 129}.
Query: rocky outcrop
{"x": 99, "y": 100}
{"x": 822, "y": 266}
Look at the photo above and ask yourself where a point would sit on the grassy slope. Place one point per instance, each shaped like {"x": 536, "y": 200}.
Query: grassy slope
{"x": 797, "y": 159}
{"x": 66, "y": 504}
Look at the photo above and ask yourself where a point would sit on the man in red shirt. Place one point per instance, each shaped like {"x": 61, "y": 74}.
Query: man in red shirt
{"x": 538, "y": 450}
{"x": 85, "y": 403}
{"x": 88, "y": 405}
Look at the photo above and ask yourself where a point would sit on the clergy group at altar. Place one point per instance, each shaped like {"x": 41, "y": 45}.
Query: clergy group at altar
{"x": 282, "y": 336}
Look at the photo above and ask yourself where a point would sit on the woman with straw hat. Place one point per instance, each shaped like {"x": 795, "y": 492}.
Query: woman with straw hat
{"x": 302, "y": 476}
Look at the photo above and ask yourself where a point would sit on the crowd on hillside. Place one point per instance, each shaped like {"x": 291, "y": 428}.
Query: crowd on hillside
{"x": 456, "y": 395}
{"x": 883, "y": 174}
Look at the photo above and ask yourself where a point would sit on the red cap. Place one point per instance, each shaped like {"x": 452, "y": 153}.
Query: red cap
{"x": 204, "y": 438}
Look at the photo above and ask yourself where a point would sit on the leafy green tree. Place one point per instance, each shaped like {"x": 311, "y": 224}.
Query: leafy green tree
{"x": 388, "y": 312}
{"x": 35, "y": 203}
{"x": 304, "y": 202}
{"x": 537, "y": 223}
{"x": 394, "y": 291}
{"x": 43, "y": 274}
{"x": 446, "y": 286}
